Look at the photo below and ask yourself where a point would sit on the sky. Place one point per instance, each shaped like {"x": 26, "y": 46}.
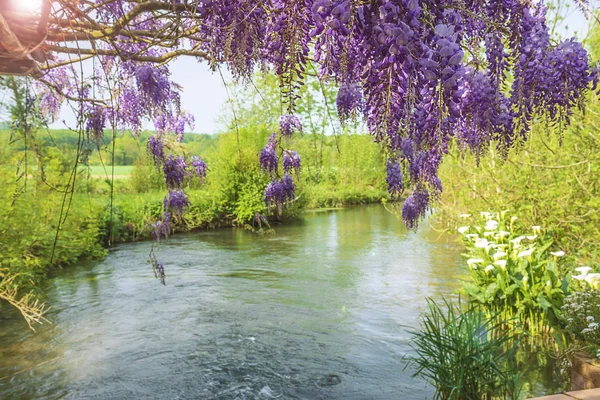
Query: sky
{"x": 205, "y": 96}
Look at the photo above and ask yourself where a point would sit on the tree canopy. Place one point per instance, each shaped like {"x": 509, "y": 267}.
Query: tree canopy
{"x": 420, "y": 72}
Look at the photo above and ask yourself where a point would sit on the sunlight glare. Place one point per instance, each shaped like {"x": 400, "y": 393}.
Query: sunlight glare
{"x": 32, "y": 6}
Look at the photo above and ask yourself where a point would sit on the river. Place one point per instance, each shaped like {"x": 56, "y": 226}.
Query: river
{"x": 319, "y": 310}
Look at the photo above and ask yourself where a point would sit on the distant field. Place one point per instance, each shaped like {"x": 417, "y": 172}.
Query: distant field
{"x": 121, "y": 171}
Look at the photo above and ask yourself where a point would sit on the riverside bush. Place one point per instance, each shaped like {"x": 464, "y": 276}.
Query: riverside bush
{"x": 513, "y": 273}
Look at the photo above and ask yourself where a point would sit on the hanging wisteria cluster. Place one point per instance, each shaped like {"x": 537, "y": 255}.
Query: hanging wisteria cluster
{"x": 420, "y": 72}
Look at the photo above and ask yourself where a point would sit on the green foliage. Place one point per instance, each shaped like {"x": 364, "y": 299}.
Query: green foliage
{"x": 463, "y": 354}
{"x": 513, "y": 274}
{"x": 28, "y": 227}
{"x": 145, "y": 177}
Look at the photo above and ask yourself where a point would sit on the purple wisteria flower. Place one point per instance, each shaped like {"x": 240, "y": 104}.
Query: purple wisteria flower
{"x": 175, "y": 171}
{"x": 268, "y": 156}
{"x": 348, "y": 101}
{"x": 280, "y": 191}
{"x": 289, "y": 124}
{"x": 291, "y": 161}
{"x": 289, "y": 188}
{"x": 415, "y": 207}
{"x": 162, "y": 228}
{"x": 274, "y": 193}
{"x": 176, "y": 201}
{"x": 158, "y": 268}
{"x": 95, "y": 123}
{"x": 394, "y": 179}
{"x": 198, "y": 167}
{"x": 156, "y": 146}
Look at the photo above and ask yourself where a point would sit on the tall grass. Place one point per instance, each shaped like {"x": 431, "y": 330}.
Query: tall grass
{"x": 464, "y": 355}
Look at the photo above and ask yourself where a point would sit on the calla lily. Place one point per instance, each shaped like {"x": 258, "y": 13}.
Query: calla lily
{"x": 593, "y": 280}
{"x": 490, "y": 234}
{"x": 502, "y": 234}
{"x": 513, "y": 218}
{"x": 533, "y": 237}
{"x": 486, "y": 214}
{"x": 517, "y": 240}
{"x": 463, "y": 229}
{"x": 491, "y": 225}
{"x": 583, "y": 273}
{"x": 481, "y": 243}
{"x": 525, "y": 253}
{"x": 464, "y": 215}
{"x": 499, "y": 255}
{"x": 491, "y": 267}
{"x": 559, "y": 253}
{"x": 501, "y": 263}
{"x": 584, "y": 270}
{"x": 536, "y": 229}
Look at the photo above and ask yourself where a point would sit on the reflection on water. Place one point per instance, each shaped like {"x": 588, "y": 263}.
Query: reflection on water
{"x": 316, "y": 311}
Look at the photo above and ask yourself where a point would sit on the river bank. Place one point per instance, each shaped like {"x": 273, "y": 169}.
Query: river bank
{"x": 41, "y": 234}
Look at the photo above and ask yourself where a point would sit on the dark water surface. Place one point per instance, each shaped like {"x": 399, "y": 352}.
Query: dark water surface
{"x": 315, "y": 311}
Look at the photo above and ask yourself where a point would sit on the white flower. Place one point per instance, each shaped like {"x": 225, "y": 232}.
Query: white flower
{"x": 464, "y": 215}
{"x": 501, "y": 263}
{"x": 486, "y": 215}
{"x": 513, "y": 218}
{"x": 463, "y": 229}
{"x": 481, "y": 243}
{"x": 589, "y": 318}
{"x": 559, "y": 253}
{"x": 517, "y": 240}
{"x": 525, "y": 253}
{"x": 532, "y": 237}
{"x": 491, "y": 225}
{"x": 584, "y": 270}
{"x": 489, "y": 268}
{"x": 499, "y": 254}
{"x": 525, "y": 279}
{"x": 491, "y": 234}
{"x": 536, "y": 229}
{"x": 593, "y": 280}
{"x": 502, "y": 234}
{"x": 503, "y": 213}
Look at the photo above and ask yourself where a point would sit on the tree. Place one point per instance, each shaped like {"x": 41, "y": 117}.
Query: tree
{"x": 421, "y": 71}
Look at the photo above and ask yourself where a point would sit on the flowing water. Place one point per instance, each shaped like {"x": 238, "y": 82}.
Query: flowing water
{"x": 319, "y": 310}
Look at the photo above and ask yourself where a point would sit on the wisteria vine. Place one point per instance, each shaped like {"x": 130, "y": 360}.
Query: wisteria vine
{"x": 420, "y": 72}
